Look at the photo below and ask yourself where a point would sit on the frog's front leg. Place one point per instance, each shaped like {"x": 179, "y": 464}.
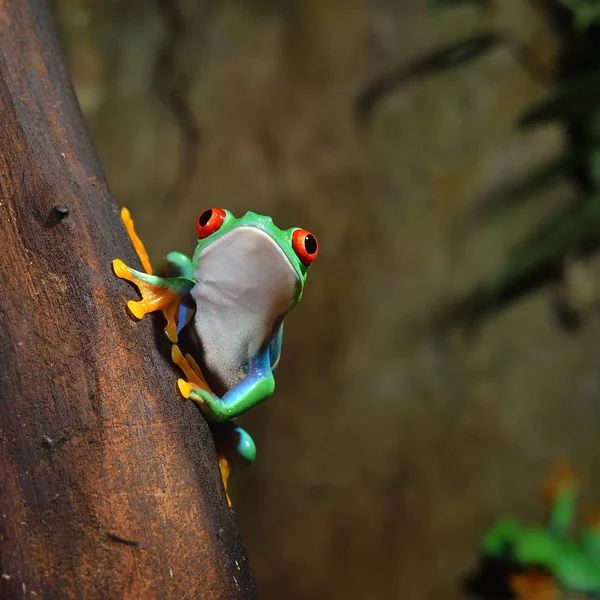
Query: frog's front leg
{"x": 158, "y": 293}
{"x": 255, "y": 387}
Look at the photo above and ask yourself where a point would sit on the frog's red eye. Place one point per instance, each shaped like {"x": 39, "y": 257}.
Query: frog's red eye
{"x": 209, "y": 221}
{"x": 305, "y": 246}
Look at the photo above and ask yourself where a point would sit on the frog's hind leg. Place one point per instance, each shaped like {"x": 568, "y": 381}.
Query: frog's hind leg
{"x": 235, "y": 448}
{"x": 158, "y": 293}
{"x": 258, "y": 385}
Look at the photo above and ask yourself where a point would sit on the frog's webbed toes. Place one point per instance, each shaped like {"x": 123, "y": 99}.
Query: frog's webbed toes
{"x": 155, "y": 296}
{"x": 191, "y": 371}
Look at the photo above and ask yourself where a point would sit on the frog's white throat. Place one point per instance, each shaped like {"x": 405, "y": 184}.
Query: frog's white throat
{"x": 245, "y": 283}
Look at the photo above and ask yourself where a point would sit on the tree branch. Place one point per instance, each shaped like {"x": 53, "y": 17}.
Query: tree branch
{"x": 109, "y": 484}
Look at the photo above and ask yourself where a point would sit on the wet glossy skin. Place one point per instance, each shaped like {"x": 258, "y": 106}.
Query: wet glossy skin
{"x": 245, "y": 275}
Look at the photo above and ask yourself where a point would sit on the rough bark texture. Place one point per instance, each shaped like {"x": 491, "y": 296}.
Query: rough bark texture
{"x": 388, "y": 447}
{"x": 109, "y": 482}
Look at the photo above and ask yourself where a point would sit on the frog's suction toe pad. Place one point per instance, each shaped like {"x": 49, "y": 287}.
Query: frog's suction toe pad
{"x": 120, "y": 268}
{"x": 184, "y": 388}
{"x": 135, "y": 309}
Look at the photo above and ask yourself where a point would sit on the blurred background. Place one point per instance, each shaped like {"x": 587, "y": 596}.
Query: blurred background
{"x": 447, "y": 348}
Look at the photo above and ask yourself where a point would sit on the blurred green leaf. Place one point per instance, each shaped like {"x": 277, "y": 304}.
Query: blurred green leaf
{"x": 573, "y": 104}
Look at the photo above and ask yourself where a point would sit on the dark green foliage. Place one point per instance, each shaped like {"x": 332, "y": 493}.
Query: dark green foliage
{"x": 586, "y": 13}
{"x": 574, "y": 103}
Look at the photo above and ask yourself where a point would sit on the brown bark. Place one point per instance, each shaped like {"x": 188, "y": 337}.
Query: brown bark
{"x": 109, "y": 485}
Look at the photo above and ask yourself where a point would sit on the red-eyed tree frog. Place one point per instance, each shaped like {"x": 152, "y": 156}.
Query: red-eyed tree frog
{"x": 226, "y": 307}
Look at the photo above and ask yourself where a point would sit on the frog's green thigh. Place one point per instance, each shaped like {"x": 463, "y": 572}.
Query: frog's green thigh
{"x": 235, "y": 448}
{"x": 158, "y": 293}
{"x": 234, "y": 444}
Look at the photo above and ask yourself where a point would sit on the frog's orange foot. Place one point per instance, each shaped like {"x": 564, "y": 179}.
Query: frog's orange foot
{"x": 191, "y": 370}
{"x": 154, "y": 297}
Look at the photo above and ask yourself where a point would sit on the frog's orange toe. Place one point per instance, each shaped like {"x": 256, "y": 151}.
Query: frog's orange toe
{"x": 185, "y": 388}
{"x": 193, "y": 375}
{"x": 137, "y": 243}
{"x": 120, "y": 268}
{"x": 137, "y": 309}
{"x": 225, "y": 469}
{"x": 170, "y": 312}
{"x": 194, "y": 366}
{"x": 176, "y": 355}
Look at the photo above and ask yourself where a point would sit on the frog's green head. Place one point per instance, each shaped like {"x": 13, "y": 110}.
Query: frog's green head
{"x": 254, "y": 249}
